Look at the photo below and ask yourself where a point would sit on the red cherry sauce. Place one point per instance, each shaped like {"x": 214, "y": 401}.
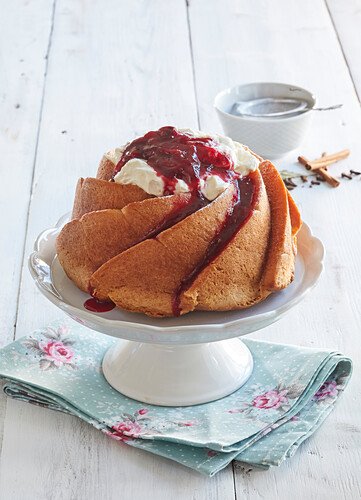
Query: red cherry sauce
{"x": 98, "y": 306}
{"x": 183, "y": 209}
{"x": 176, "y": 155}
{"x": 242, "y": 207}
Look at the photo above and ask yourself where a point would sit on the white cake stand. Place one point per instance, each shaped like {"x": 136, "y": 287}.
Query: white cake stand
{"x": 182, "y": 361}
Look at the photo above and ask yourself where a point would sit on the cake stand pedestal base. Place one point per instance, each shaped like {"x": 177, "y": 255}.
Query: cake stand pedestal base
{"x": 177, "y": 375}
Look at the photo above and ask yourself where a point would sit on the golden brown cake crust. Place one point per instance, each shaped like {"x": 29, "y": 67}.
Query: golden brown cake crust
{"x": 84, "y": 244}
{"x": 105, "y": 169}
{"x": 71, "y": 247}
{"x": 145, "y": 277}
{"x": 96, "y": 194}
{"x": 232, "y": 280}
{"x": 280, "y": 264}
{"x": 295, "y": 215}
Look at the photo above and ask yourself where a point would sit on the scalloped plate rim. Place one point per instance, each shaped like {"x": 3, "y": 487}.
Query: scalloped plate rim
{"x": 267, "y": 316}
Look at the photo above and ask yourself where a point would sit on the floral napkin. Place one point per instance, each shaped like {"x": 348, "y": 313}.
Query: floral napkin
{"x": 291, "y": 391}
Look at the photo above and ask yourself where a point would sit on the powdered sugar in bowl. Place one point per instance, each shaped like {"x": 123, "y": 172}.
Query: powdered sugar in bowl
{"x": 270, "y": 136}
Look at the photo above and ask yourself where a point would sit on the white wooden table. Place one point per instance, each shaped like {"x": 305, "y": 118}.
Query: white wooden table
{"x": 78, "y": 78}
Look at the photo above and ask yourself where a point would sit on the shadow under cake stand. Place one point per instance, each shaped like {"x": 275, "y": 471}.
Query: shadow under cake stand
{"x": 192, "y": 359}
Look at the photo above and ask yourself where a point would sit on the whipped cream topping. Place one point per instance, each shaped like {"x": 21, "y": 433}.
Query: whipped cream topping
{"x": 115, "y": 155}
{"x": 139, "y": 173}
{"x": 212, "y": 186}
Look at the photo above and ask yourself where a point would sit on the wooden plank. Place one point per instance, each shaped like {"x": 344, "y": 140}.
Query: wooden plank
{"x": 22, "y": 61}
{"x": 68, "y": 459}
{"x": 346, "y": 17}
{"x": 294, "y": 42}
{"x": 113, "y": 74}
{"x": 22, "y": 67}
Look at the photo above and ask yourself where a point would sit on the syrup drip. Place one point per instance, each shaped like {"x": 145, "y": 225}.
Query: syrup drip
{"x": 242, "y": 206}
{"x": 98, "y": 306}
{"x": 182, "y": 210}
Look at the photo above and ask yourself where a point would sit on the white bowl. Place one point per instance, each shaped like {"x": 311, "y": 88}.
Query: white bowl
{"x": 268, "y": 137}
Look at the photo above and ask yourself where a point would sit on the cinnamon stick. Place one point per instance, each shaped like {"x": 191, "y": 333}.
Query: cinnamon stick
{"x": 335, "y": 156}
{"x": 331, "y": 180}
{"x": 322, "y": 171}
{"x": 324, "y": 161}
{"x": 314, "y": 165}
{"x": 303, "y": 160}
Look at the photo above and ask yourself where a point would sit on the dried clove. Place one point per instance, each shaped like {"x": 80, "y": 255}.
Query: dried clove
{"x": 291, "y": 183}
{"x": 346, "y": 176}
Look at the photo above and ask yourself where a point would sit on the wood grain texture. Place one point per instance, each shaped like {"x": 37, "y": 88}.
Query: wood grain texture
{"x": 296, "y": 42}
{"x": 22, "y": 67}
{"x": 61, "y": 457}
{"x": 346, "y": 18}
{"x": 22, "y": 76}
{"x": 111, "y": 74}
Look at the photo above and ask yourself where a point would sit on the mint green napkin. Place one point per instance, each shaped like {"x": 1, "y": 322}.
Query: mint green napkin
{"x": 291, "y": 391}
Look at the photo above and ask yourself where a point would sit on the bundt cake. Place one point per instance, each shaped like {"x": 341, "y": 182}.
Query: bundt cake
{"x": 178, "y": 221}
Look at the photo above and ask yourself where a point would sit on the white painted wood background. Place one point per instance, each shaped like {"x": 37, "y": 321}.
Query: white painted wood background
{"x": 78, "y": 78}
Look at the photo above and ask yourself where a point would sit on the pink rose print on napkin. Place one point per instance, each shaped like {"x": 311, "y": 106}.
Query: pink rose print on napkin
{"x": 279, "y": 398}
{"x": 55, "y": 351}
{"x": 270, "y": 399}
{"x": 140, "y": 426}
{"x": 132, "y": 426}
{"x": 117, "y": 435}
{"x": 328, "y": 389}
{"x": 126, "y": 430}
